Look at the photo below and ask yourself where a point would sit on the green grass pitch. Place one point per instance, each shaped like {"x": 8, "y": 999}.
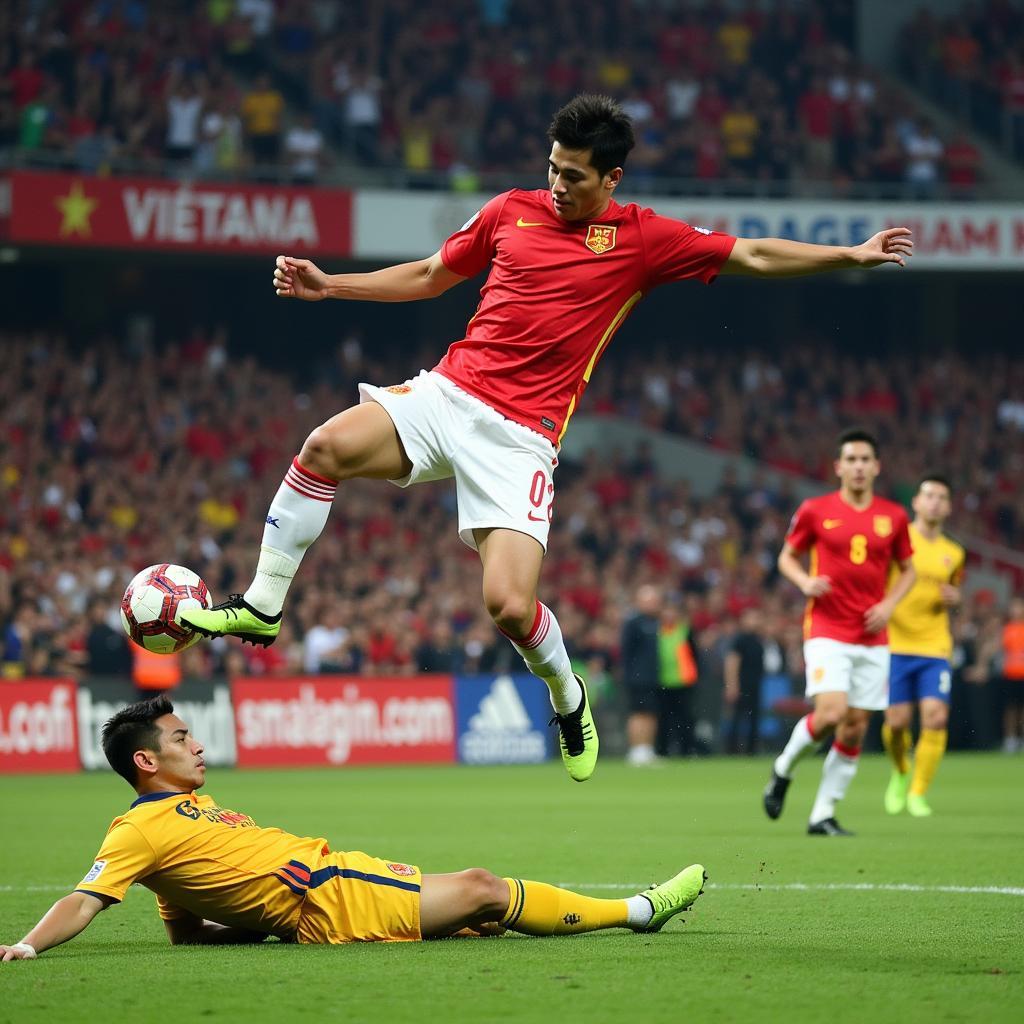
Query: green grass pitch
{"x": 755, "y": 948}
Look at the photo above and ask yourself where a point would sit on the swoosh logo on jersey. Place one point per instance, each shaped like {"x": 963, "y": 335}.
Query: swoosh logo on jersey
{"x": 831, "y": 524}
{"x": 529, "y": 223}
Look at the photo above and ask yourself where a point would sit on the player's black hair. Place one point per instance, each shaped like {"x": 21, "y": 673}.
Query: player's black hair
{"x": 596, "y": 123}
{"x": 935, "y": 478}
{"x": 131, "y": 729}
{"x": 856, "y": 434}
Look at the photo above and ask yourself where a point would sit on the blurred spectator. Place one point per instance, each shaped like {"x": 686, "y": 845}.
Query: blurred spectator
{"x": 1013, "y": 678}
{"x": 184, "y": 110}
{"x": 106, "y": 646}
{"x": 924, "y": 158}
{"x": 262, "y": 112}
{"x": 304, "y": 150}
{"x": 744, "y": 673}
{"x": 641, "y": 674}
{"x": 678, "y": 678}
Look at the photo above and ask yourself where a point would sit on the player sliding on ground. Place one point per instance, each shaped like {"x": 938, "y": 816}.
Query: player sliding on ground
{"x": 922, "y": 646}
{"x": 221, "y": 878}
{"x": 854, "y": 539}
{"x": 567, "y": 265}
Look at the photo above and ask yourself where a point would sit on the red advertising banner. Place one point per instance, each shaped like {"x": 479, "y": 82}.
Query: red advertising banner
{"x": 38, "y": 726}
{"x": 335, "y": 720}
{"x": 159, "y": 214}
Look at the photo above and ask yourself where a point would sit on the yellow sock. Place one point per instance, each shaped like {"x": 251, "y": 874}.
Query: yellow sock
{"x": 536, "y": 908}
{"x": 930, "y": 747}
{"x": 896, "y": 744}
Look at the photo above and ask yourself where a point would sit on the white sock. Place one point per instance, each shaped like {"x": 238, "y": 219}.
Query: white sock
{"x": 640, "y": 910}
{"x": 801, "y": 743}
{"x": 296, "y": 518}
{"x": 643, "y": 753}
{"x": 545, "y": 656}
{"x": 836, "y": 775}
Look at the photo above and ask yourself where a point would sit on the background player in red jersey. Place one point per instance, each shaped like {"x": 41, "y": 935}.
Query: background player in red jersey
{"x": 567, "y": 264}
{"x": 853, "y": 539}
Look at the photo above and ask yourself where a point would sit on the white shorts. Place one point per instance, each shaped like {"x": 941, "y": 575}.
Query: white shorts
{"x": 503, "y": 471}
{"x": 859, "y": 671}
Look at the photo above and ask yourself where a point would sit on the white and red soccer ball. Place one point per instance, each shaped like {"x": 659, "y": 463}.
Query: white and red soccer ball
{"x": 152, "y": 605}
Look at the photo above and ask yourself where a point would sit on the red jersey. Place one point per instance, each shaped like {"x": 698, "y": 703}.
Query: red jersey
{"x": 854, "y": 549}
{"x": 556, "y": 294}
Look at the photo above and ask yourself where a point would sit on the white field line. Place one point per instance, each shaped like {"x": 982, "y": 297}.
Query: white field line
{"x": 969, "y": 890}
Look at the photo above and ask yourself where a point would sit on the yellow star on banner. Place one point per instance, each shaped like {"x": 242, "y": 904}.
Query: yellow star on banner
{"x": 76, "y": 209}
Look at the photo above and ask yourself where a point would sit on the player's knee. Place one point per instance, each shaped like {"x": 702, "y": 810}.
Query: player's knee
{"x": 827, "y": 717}
{"x": 512, "y": 613}
{"x": 328, "y": 451}
{"x": 486, "y": 893}
{"x": 897, "y": 718}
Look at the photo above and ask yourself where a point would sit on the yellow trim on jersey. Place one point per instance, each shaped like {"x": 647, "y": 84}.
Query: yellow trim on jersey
{"x": 920, "y": 624}
{"x": 813, "y": 571}
{"x": 605, "y": 339}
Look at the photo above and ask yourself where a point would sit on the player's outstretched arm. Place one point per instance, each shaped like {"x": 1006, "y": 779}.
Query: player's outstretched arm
{"x": 64, "y": 920}
{"x": 780, "y": 257}
{"x": 423, "y": 279}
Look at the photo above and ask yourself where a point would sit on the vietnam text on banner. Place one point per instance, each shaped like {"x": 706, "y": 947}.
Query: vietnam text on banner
{"x": 141, "y": 213}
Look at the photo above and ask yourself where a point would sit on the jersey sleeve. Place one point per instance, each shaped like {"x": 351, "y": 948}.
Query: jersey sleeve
{"x": 676, "y": 251}
{"x": 470, "y": 250}
{"x": 956, "y": 577}
{"x": 124, "y": 857}
{"x": 902, "y": 548}
{"x": 801, "y": 535}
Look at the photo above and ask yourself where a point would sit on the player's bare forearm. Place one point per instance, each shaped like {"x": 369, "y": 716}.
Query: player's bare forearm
{"x": 790, "y": 567}
{"x": 405, "y": 282}
{"x": 67, "y": 918}
{"x": 781, "y": 257}
{"x": 902, "y": 584}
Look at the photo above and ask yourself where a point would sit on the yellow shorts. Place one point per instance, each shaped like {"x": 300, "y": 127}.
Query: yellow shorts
{"x": 352, "y": 897}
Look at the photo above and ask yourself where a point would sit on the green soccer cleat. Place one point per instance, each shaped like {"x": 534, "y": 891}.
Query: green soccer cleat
{"x": 896, "y": 792}
{"x": 234, "y": 617}
{"x": 577, "y": 739}
{"x": 918, "y": 806}
{"x": 674, "y": 896}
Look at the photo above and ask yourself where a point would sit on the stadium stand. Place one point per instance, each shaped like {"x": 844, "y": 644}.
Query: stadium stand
{"x": 762, "y": 101}
{"x": 972, "y": 62}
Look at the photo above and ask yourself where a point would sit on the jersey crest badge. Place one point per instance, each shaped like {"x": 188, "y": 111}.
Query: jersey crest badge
{"x": 600, "y": 238}
{"x": 883, "y": 526}
{"x": 399, "y": 389}
{"x": 401, "y": 869}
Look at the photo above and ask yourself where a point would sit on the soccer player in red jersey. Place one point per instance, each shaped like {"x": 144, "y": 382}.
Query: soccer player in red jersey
{"x": 853, "y": 538}
{"x": 567, "y": 264}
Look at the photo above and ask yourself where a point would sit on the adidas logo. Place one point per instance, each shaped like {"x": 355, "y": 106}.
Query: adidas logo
{"x": 501, "y": 709}
{"x": 501, "y": 731}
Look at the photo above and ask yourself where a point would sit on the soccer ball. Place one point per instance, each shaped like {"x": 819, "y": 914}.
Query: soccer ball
{"x": 152, "y": 605}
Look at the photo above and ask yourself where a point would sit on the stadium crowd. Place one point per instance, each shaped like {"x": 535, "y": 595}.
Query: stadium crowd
{"x": 93, "y": 489}
{"x": 760, "y": 97}
{"x": 973, "y": 63}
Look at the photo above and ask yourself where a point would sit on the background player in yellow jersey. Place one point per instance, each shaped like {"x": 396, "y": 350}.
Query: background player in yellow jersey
{"x": 221, "y": 878}
{"x": 922, "y": 644}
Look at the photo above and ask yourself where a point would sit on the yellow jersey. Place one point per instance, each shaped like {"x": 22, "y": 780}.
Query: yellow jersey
{"x": 920, "y": 623}
{"x": 205, "y": 860}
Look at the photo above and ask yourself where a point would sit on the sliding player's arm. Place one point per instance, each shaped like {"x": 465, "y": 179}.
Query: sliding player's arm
{"x": 790, "y": 567}
{"x": 780, "y": 257}
{"x": 877, "y": 617}
{"x": 67, "y": 918}
{"x": 423, "y": 279}
{"x": 188, "y": 930}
